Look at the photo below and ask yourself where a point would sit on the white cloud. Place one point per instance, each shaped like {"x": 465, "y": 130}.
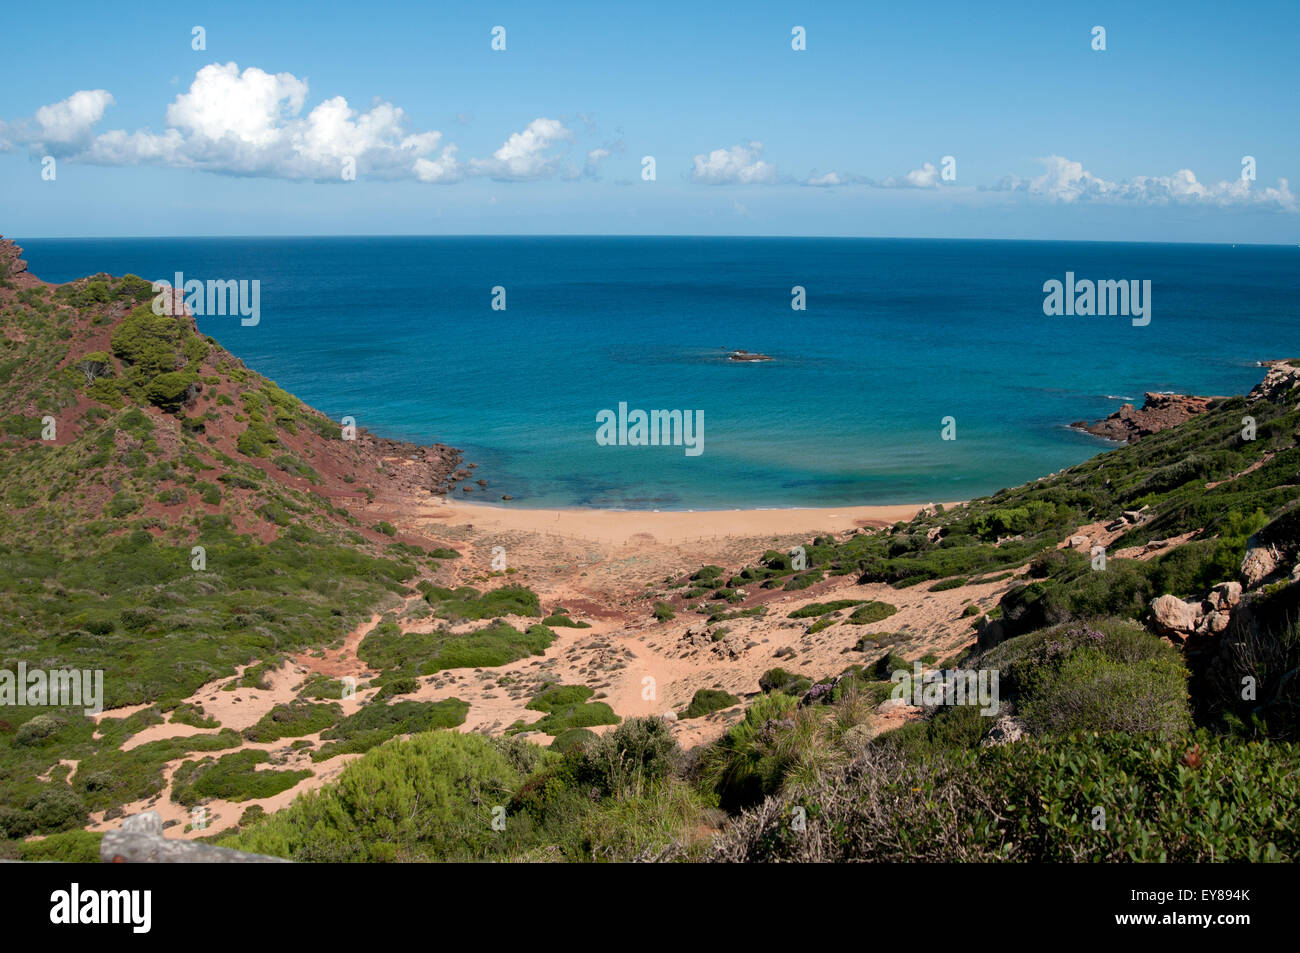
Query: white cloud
{"x": 252, "y": 123}
{"x": 444, "y": 169}
{"x": 1068, "y": 182}
{"x": 63, "y": 128}
{"x": 524, "y": 155}
{"x": 243, "y": 123}
{"x": 829, "y": 179}
{"x": 591, "y": 170}
{"x": 739, "y": 165}
{"x": 926, "y": 177}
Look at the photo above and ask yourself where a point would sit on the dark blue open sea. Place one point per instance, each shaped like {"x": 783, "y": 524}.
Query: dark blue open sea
{"x": 898, "y": 334}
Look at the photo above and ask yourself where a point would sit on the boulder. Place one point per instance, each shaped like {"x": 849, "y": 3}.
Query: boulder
{"x": 1259, "y": 564}
{"x": 1226, "y": 595}
{"x": 1005, "y": 730}
{"x": 1174, "y": 617}
{"x": 1214, "y": 623}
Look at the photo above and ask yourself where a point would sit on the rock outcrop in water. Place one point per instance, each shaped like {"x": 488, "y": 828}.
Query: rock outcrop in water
{"x": 1159, "y": 412}
{"x": 12, "y": 267}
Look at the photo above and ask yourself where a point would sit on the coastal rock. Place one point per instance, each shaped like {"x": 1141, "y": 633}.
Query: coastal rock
{"x": 1281, "y": 379}
{"x": 1214, "y": 623}
{"x": 1259, "y": 564}
{"x": 149, "y": 822}
{"x": 1005, "y": 730}
{"x": 1226, "y": 595}
{"x": 1174, "y": 617}
{"x": 1159, "y": 412}
{"x": 12, "y": 266}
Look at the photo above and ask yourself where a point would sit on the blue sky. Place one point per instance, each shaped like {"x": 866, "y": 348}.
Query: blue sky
{"x": 1051, "y": 139}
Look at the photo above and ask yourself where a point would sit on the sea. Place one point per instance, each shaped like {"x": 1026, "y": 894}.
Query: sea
{"x": 916, "y": 371}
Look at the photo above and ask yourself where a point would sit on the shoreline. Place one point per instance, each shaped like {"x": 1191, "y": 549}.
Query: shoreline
{"x": 669, "y": 526}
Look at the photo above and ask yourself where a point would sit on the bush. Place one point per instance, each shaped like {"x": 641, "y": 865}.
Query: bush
{"x": 636, "y": 753}
{"x": 377, "y": 722}
{"x": 123, "y": 504}
{"x": 39, "y": 730}
{"x": 57, "y": 808}
{"x": 1181, "y": 800}
{"x": 232, "y": 777}
{"x": 750, "y": 760}
{"x": 779, "y": 680}
{"x": 574, "y": 739}
{"x": 427, "y": 798}
{"x": 172, "y": 390}
{"x": 871, "y": 612}
{"x": 419, "y": 653}
{"x": 1108, "y": 675}
{"x": 823, "y": 608}
{"x": 708, "y": 700}
{"x": 466, "y": 602}
{"x": 566, "y": 707}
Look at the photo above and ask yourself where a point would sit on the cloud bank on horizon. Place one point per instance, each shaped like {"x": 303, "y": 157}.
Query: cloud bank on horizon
{"x": 252, "y": 123}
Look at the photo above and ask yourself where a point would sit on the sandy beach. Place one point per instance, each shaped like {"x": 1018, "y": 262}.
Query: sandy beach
{"x": 619, "y": 527}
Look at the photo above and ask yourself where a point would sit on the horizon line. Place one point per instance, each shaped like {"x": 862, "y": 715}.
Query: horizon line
{"x": 615, "y": 235}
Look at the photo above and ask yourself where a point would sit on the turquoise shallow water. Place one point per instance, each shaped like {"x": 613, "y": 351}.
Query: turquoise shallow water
{"x": 898, "y": 334}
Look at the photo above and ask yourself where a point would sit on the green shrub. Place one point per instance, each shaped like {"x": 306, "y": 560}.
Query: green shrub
{"x": 427, "y": 798}
{"x": 566, "y": 707}
{"x": 822, "y": 608}
{"x": 779, "y": 680}
{"x": 293, "y": 720}
{"x": 574, "y": 739}
{"x": 871, "y": 612}
{"x": 467, "y": 602}
{"x": 232, "y": 777}
{"x": 1178, "y": 800}
{"x": 377, "y": 722}
{"x": 708, "y": 700}
{"x": 1107, "y": 675}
